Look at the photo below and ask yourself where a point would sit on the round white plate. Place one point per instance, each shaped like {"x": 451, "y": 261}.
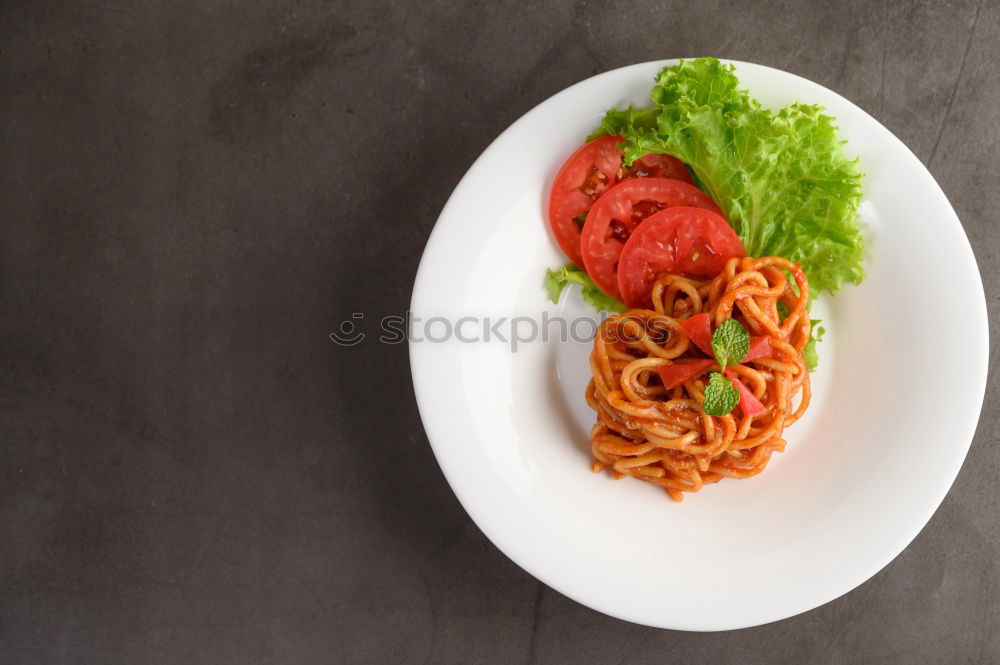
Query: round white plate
{"x": 897, "y": 395}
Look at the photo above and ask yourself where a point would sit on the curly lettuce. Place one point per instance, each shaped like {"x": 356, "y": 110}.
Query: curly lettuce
{"x": 782, "y": 178}
{"x": 557, "y": 280}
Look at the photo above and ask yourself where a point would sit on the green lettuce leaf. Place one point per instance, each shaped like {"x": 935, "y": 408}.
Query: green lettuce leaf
{"x": 557, "y": 280}
{"x": 811, "y": 354}
{"x": 782, "y": 178}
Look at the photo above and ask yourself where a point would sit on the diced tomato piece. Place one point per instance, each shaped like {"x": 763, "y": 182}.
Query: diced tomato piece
{"x": 760, "y": 347}
{"x": 749, "y": 404}
{"x": 699, "y": 331}
{"x": 674, "y": 375}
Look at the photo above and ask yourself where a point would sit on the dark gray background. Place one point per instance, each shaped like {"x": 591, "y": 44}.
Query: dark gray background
{"x": 195, "y": 192}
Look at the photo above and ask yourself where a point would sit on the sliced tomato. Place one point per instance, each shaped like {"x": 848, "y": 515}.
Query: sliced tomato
{"x": 582, "y": 179}
{"x": 699, "y": 330}
{"x": 674, "y": 375}
{"x": 618, "y": 213}
{"x": 659, "y": 166}
{"x": 749, "y": 404}
{"x": 694, "y": 242}
{"x": 760, "y": 347}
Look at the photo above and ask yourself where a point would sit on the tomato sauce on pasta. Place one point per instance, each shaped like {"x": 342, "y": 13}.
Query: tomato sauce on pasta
{"x": 663, "y": 436}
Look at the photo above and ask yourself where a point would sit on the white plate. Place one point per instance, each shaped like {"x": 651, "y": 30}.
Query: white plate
{"x": 897, "y": 395}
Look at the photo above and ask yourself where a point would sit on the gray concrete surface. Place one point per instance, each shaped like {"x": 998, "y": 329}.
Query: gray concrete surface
{"x": 194, "y": 193}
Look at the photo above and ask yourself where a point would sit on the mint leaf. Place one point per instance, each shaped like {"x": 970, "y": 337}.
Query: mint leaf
{"x": 557, "y": 280}
{"x": 730, "y": 343}
{"x": 721, "y": 396}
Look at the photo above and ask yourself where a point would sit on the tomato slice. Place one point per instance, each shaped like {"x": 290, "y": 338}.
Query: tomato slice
{"x": 749, "y": 404}
{"x": 583, "y": 178}
{"x": 674, "y": 375}
{"x": 699, "y": 330}
{"x": 659, "y": 166}
{"x": 589, "y": 172}
{"x": 760, "y": 347}
{"x": 617, "y": 214}
{"x": 683, "y": 241}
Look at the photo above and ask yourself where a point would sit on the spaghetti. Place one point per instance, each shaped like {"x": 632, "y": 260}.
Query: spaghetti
{"x": 664, "y": 436}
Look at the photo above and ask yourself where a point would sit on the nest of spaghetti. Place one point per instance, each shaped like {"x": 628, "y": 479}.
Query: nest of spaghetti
{"x": 663, "y": 436}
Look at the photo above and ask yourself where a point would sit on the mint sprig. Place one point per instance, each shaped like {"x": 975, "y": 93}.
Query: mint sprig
{"x": 730, "y": 343}
{"x": 721, "y": 396}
